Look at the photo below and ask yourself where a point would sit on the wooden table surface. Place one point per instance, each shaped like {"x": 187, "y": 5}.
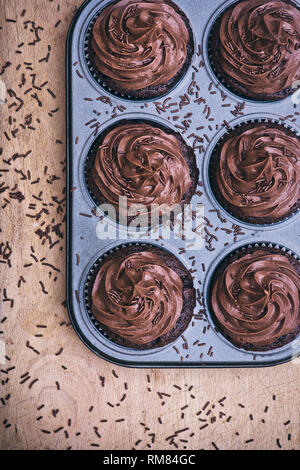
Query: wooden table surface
{"x": 55, "y": 393}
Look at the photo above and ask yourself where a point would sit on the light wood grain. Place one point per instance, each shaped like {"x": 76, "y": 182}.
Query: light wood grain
{"x": 66, "y": 405}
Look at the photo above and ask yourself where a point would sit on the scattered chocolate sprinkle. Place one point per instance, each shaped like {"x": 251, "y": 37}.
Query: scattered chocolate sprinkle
{"x": 59, "y": 352}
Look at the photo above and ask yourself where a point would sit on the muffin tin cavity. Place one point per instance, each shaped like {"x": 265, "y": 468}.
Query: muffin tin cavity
{"x": 212, "y": 167}
{"x": 253, "y": 287}
{"x": 264, "y": 76}
{"x": 182, "y": 153}
{"x": 117, "y": 35}
{"x": 168, "y": 260}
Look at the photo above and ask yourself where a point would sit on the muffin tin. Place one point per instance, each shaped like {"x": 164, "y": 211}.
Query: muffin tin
{"x": 198, "y": 100}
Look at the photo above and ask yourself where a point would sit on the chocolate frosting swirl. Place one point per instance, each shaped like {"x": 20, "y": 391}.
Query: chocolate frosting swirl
{"x": 256, "y": 299}
{"x": 140, "y": 43}
{"x": 260, "y": 45}
{"x": 143, "y": 163}
{"x": 259, "y": 172}
{"x": 138, "y": 297}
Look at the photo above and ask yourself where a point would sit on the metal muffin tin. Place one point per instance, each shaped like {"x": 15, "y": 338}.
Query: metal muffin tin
{"x": 87, "y": 115}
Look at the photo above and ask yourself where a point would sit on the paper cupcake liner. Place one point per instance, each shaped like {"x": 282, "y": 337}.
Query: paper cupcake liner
{"x": 213, "y": 161}
{"x": 227, "y": 81}
{"x": 143, "y": 94}
{"x": 186, "y": 314}
{"x": 271, "y": 247}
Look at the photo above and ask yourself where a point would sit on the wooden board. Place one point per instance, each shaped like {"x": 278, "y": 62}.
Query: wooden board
{"x": 55, "y": 394}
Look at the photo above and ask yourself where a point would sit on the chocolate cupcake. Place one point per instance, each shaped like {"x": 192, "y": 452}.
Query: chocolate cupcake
{"x": 255, "y": 172}
{"x": 254, "y": 48}
{"x": 255, "y": 298}
{"x": 144, "y": 161}
{"x": 140, "y": 49}
{"x": 141, "y": 296}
